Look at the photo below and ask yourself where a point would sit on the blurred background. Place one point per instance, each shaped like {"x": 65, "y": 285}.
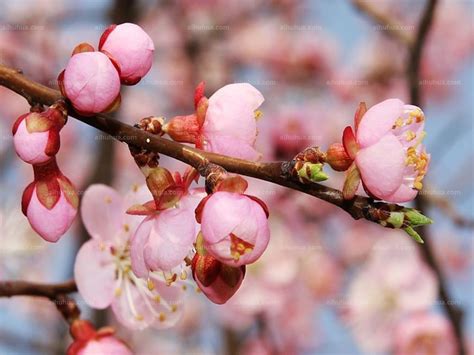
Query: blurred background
{"x": 327, "y": 284}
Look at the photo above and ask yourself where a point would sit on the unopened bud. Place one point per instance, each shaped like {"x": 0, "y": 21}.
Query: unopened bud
{"x": 310, "y": 172}
{"x": 337, "y": 157}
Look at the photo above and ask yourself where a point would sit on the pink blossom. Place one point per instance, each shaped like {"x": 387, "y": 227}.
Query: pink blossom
{"x": 425, "y": 333}
{"x": 50, "y": 202}
{"x": 388, "y": 151}
{"x": 91, "y": 82}
{"x": 36, "y": 135}
{"x": 393, "y": 283}
{"x": 234, "y": 227}
{"x": 103, "y": 268}
{"x": 164, "y": 239}
{"x": 224, "y": 124}
{"x": 131, "y": 47}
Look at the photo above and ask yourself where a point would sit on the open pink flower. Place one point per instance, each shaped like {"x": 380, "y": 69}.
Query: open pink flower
{"x": 425, "y": 333}
{"x": 388, "y": 153}
{"x": 36, "y": 135}
{"x": 91, "y": 82}
{"x": 224, "y": 124}
{"x": 234, "y": 227}
{"x": 131, "y": 48}
{"x": 50, "y": 202}
{"x": 103, "y": 268}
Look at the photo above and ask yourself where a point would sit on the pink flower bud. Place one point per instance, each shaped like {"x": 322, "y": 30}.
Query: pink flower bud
{"x": 36, "y": 135}
{"x": 131, "y": 47}
{"x": 91, "y": 82}
{"x": 88, "y": 341}
{"x": 218, "y": 281}
{"x": 388, "y": 150}
{"x": 234, "y": 227}
{"x": 50, "y": 202}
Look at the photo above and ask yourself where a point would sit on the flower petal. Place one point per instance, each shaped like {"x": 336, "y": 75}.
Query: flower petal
{"x": 377, "y": 121}
{"x": 94, "y": 272}
{"x": 381, "y": 166}
{"x": 403, "y": 194}
{"x": 102, "y": 212}
{"x": 137, "y": 245}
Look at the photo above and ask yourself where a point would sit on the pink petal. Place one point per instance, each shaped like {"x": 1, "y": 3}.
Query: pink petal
{"x": 381, "y": 166}
{"x": 137, "y": 245}
{"x": 171, "y": 239}
{"x": 30, "y": 147}
{"x": 94, "y": 271}
{"x": 231, "y": 146}
{"x": 102, "y": 212}
{"x": 377, "y": 121}
{"x": 231, "y": 114}
{"x": 221, "y": 214}
{"x": 403, "y": 194}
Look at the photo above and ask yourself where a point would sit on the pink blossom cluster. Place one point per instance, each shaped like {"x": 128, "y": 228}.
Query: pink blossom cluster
{"x": 50, "y": 202}
{"x": 91, "y": 80}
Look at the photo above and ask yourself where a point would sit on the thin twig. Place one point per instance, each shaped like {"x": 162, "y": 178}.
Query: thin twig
{"x": 455, "y": 313}
{"x": 391, "y": 27}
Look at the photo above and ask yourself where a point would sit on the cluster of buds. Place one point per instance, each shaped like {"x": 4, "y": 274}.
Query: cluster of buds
{"x": 50, "y": 202}
{"x": 89, "y": 341}
{"x": 307, "y": 166}
{"x": 91, "y": 80}
{"x": 394, "y": 216}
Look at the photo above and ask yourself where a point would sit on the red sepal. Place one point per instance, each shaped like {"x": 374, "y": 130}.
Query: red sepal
{"x": 17, "y": 123}
{"x": 145, "y": 209}
{"x": 104, "y": 36}
{"x": 349, "y": 142}
{"x": 199, "y": 93}
{"x": 170, "y": 197}
{"x": 200, "y": 207}
{"x": 82, "y": 48}
{"x": 234, "y": 183}
{"x": 114, "y": 61}
{"x": 205, "y": 268}
{"x": 359, "y": 114}
{"x": 26, "y": 197}
{"x": 61, "y": 83}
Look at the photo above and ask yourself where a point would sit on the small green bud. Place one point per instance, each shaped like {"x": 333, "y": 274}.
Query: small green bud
{"x": 415, "y": 218}
{"x": 312, "y": 172}
{"x": 412, "y": 233}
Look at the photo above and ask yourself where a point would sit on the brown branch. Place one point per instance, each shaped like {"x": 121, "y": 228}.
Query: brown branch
{"x": 56, "y": 293}
{"x": 454, "y": 313}
{"x": 275, "y": 172}
{"x": 392, "y": 28}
